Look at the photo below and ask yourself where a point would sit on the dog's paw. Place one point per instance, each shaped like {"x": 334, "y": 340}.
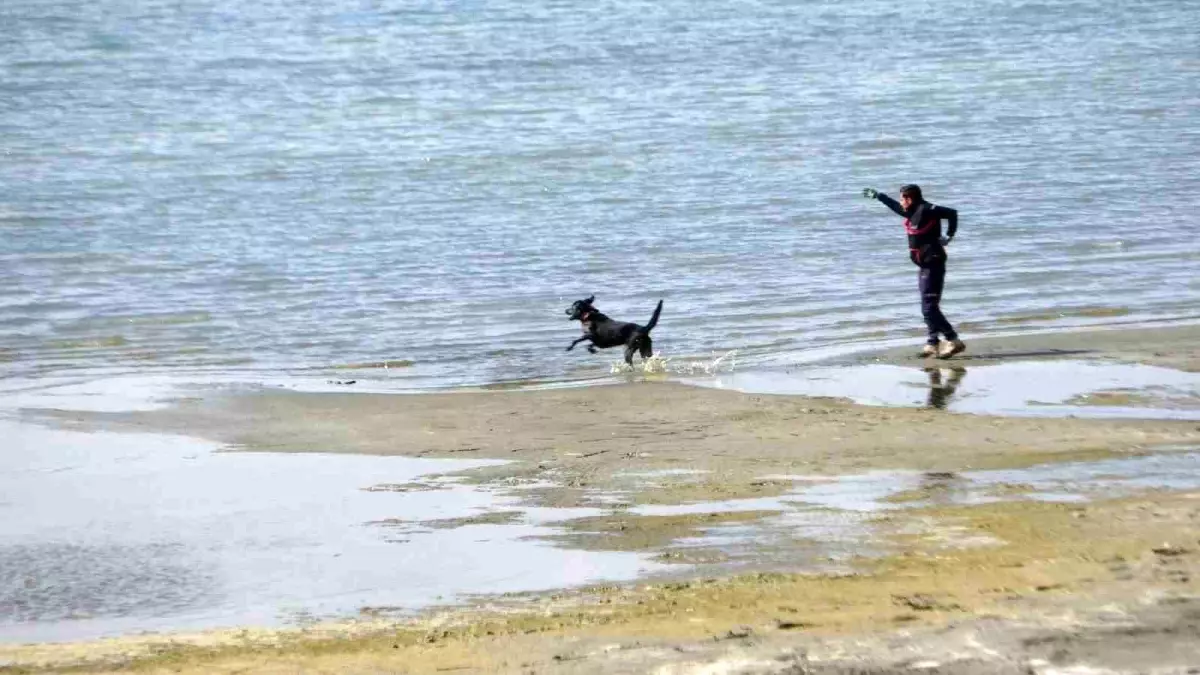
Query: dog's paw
{"x": 591, "y": 349}
{"x": 570, "y": 347}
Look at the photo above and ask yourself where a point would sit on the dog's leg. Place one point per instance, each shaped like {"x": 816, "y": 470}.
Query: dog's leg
{"x": 578, "y": 340}
{"x": 629, "y": 351}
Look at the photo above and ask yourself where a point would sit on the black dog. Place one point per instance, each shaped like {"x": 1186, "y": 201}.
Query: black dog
{"x": 604, "y": 332}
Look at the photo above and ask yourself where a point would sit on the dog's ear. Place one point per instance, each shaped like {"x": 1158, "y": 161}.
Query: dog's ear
{"x": 589, "y": 300}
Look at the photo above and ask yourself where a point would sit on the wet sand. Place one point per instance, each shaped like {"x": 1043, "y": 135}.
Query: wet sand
{"x": 1172, "y": 346}
{"x": 1011, "y": 583}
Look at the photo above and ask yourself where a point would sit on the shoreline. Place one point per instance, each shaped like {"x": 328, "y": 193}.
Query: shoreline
{"x": 668, "y": 463}
{"x": 1054, "y": 343}
{"x": 1095, "y": 586}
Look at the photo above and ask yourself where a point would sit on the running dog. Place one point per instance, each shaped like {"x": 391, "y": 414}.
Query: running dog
{"x": 604, "y": 332}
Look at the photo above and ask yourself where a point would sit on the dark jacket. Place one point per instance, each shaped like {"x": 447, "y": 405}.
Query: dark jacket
{"x": 923, "y": 223}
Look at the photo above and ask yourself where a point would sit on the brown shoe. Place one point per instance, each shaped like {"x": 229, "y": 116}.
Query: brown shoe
{"x": 929, "y": 350}
{"x": 950, "y": 348}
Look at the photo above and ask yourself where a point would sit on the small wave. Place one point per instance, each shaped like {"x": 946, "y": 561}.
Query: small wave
{"x": 55, "y": 64}
{"x": 883, "y": 143}
{"x": 658, "y": 363}
{"x": 149, "y": 319}
{"x": 399, "y": 363}
{"x": 90, "y": 343}
{"x": 234, "y": 63}
{"x": 1089, "y": 312}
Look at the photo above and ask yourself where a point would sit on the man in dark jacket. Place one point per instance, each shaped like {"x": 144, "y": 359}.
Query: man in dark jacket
{"x": 927, "y": 250}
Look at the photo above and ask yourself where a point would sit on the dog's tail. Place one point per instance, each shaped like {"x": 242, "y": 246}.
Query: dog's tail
{"x": 653, "y": 319}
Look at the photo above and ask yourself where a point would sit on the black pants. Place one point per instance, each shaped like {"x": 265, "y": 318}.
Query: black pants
{"x": 930, "y": 281}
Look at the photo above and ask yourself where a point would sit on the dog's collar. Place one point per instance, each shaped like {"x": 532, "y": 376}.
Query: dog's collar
{"x": 583, "y": 316}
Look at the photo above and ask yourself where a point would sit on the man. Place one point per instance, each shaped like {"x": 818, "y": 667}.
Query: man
{"x": 927, "y": 249}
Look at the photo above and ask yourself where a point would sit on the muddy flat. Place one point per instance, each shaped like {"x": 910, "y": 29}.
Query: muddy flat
{"x": 770, "y": 532}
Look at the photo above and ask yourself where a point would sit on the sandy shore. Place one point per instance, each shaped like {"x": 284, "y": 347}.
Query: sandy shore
{"x": 996, "y": 587}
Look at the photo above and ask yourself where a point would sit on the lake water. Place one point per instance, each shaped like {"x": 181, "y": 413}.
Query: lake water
{"x": 289, "y": 189}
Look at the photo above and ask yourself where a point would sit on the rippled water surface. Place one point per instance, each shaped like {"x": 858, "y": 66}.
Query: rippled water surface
{"x": 286, "y": 187}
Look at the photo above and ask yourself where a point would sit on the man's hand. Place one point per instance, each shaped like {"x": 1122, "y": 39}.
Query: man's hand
{"x": 870, "y": 193}
{"x": 946, "y": 241}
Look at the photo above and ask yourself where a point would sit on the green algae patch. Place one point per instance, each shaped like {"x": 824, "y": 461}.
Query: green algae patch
{"x": 632, "y": 532}
{"x": 709, "y": 491}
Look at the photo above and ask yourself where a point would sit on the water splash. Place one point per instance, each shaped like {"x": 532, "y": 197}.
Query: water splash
{"x": 658, "y": 363}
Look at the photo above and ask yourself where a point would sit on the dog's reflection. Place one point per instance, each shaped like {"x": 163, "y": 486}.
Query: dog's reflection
{"x": 942, "y": 384}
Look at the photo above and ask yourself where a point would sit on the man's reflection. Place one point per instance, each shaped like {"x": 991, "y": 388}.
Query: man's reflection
{"x": 942, "y": 383}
